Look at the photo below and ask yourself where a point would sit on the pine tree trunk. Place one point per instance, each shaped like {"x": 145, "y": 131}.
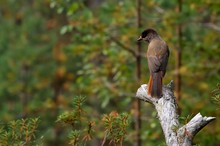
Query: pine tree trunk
{"x": 137, "y": 103}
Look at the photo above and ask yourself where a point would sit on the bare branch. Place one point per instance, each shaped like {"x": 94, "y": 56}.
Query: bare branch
{"x": 123, "y": 46}
{"x": 212, "y": 26}
{"x": 187, "y": 132}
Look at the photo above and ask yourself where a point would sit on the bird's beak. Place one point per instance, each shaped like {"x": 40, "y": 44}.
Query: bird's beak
{"x": 139, "y": 39}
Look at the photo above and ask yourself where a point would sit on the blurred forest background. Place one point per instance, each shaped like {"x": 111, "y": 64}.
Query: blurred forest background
{"x": 53, "y": 53}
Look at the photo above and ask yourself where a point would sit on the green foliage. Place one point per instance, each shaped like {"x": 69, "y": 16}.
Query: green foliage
{"x": 75, "y": 115}
{"x": 19, "y": 132}
{"x": 74, "y": 137}
{"x": 115, "y": 127}
{"x": 78, "y": 120}
{"x": 82, "y": 128}
{"x": 216, "y": 96}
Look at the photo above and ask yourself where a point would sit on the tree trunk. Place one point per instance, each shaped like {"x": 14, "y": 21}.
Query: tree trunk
{"x": 137, "y": 103}
{"x": 166, "y": 108}
{"x": 178, "y": 55}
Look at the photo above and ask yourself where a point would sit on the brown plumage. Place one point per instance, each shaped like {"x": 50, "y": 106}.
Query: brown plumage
{"x": 157, "y": 55}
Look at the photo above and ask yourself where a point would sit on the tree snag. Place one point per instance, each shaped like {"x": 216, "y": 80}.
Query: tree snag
{"x": 166, "y": 107}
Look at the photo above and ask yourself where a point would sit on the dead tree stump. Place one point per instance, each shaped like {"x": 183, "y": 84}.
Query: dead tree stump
{"x": 166, "y": 107}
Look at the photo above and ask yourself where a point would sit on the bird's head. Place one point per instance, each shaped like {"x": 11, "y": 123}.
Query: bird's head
{"x": 148, "y": 35}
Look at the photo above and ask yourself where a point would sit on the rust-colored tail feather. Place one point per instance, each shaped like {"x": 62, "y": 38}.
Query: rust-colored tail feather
{"x": 155, "y": 85}
{"x": 149, "y": 85}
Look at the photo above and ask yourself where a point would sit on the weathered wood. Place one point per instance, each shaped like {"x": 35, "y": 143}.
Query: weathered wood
{"x": 187, "y": 132}
{"x": 166, "y": 108}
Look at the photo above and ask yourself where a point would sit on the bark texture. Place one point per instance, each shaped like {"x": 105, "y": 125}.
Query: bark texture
{"x": 166, "y": 107}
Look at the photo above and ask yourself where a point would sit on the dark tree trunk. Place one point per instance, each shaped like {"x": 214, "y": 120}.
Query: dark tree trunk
{"x": 178, "y": 55}
{"x": 137, "y": 103}
{"x": 24, "y": 93}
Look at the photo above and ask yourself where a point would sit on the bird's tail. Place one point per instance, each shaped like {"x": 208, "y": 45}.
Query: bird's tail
{"x": 155, "y": 84}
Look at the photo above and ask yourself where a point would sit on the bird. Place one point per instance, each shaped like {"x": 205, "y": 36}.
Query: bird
{"x": 157, "y": 56}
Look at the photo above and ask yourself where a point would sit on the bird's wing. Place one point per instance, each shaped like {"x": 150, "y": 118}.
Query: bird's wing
{"x": 158, "y": 54}
{"x": 164, "y": 61}
{"x": 153, "y": 64}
